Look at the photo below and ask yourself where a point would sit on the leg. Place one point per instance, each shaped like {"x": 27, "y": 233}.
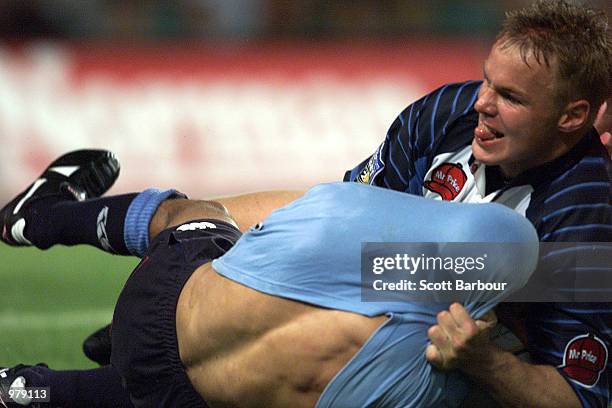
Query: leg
{"x": 144, "y": 345}
{"x": 97, "y": 346}
{"x": 97, "y": 388}
{"x": 75, "y": 176}
{"x": 63, "y": 207}
{"x": 175, "y": 212}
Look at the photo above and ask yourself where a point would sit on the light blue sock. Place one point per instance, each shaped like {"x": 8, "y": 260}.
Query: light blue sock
{"x": 138, "y": 218}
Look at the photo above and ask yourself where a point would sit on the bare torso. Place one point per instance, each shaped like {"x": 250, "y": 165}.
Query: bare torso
{"x": 243, "y": 348}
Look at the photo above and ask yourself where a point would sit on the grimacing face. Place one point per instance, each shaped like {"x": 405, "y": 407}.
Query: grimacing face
{"x": 518, "y": 113}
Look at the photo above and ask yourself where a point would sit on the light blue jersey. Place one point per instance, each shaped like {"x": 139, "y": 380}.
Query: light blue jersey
{"x": 310, "y": 251}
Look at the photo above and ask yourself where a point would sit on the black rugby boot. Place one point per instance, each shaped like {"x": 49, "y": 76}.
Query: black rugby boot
{"x": 77, "y": 176}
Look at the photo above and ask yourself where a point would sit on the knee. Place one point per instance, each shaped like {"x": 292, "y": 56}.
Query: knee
{"x": 173, "y": 212}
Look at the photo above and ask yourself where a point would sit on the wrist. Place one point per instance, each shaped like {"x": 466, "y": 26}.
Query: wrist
{"x": 490, "y": 360}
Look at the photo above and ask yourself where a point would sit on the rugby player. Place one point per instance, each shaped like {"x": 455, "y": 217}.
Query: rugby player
{"x": 278, "y": 320}
{"x": 523, "y": 138}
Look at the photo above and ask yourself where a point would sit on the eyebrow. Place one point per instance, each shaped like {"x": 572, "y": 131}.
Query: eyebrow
{"x": 502, "y": 89}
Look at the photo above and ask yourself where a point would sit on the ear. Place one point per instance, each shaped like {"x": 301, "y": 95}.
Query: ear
{"x": 574, "y": 116}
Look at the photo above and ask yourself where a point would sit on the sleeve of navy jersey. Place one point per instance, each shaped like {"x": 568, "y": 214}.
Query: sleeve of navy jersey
{"x": 577, "y": 337}
{"x": 417, "y": 134}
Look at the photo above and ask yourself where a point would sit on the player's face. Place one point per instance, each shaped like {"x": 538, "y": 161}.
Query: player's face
{"x": 518, "y": 115}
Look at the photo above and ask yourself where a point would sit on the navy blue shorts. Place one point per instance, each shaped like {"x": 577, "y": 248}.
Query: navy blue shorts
{"x": 144, "y": 342}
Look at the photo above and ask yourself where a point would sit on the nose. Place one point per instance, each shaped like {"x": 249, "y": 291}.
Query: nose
{"x": 485, "y": 104}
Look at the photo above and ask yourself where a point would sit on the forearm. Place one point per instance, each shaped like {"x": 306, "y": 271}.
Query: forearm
{"x": 514, "y": 383}
{"x": 249, "y": 209}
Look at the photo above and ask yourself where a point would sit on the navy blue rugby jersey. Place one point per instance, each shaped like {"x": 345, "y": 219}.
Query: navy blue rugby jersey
{"x": 427, "y": 152}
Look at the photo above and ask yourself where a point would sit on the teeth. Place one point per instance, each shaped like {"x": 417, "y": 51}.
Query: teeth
{"x": 493, "y": 131}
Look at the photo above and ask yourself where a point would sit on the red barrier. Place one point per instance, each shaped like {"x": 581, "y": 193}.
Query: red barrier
{"x": 215, "y": 119}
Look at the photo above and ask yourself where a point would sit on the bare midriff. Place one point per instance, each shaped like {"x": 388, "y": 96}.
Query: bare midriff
{"x": 244, "y": 348}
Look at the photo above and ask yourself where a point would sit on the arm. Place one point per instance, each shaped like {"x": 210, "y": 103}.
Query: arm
{"x": 460, "y": 342}
{"x": 440, "y": 121}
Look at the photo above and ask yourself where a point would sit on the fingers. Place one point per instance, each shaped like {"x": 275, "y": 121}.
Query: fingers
{"x": 457, "y": 337}
{"x": 606, "y": 139}
{"x": 482, "y": 325}
{"x": 601, "y": 112}
{"x": 440, "y": 352}
{"x": 603, "y": 119}
{"x": 438, "y": 337}
{"x": 487, "y": 321}
{"x": 461, "y": 316}
{"x": 448, "y": 324}
{"x": 603, "y": 124}
{"x": 457, "y": 323}
{"x": 433, "y": 355}
{"x": 454, "y": 328}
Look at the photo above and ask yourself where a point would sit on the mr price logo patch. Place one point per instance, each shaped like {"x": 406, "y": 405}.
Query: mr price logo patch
{"x": 584, "y": 359}
{"x": 447, "y": 180}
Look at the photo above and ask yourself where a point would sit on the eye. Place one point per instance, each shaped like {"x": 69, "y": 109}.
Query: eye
{"x": 511, "y": 99}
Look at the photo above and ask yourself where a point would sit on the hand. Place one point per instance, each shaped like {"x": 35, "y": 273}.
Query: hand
{"x": 458, "y": 341}
{"x": 606, "y": 139}
{"x": 603, "y": 124}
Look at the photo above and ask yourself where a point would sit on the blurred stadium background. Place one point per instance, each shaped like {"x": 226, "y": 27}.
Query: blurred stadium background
{"x": 208, "y": 96}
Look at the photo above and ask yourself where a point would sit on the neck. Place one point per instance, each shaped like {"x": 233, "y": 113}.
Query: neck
{"x": 568, "y": 142}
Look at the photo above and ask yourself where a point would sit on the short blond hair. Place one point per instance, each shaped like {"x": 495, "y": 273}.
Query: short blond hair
{"x": 574, "y": 36}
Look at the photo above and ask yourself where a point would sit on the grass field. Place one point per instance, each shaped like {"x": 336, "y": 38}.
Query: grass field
{"x": 51, "y": 300}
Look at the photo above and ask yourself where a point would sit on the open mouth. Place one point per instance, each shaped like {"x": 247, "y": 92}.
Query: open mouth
{"x": 485, "y": 132}
{"x": 498, "y": 135}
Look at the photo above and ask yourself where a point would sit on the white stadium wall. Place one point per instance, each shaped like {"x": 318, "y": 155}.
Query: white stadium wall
{"x": 213, "y": 121}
